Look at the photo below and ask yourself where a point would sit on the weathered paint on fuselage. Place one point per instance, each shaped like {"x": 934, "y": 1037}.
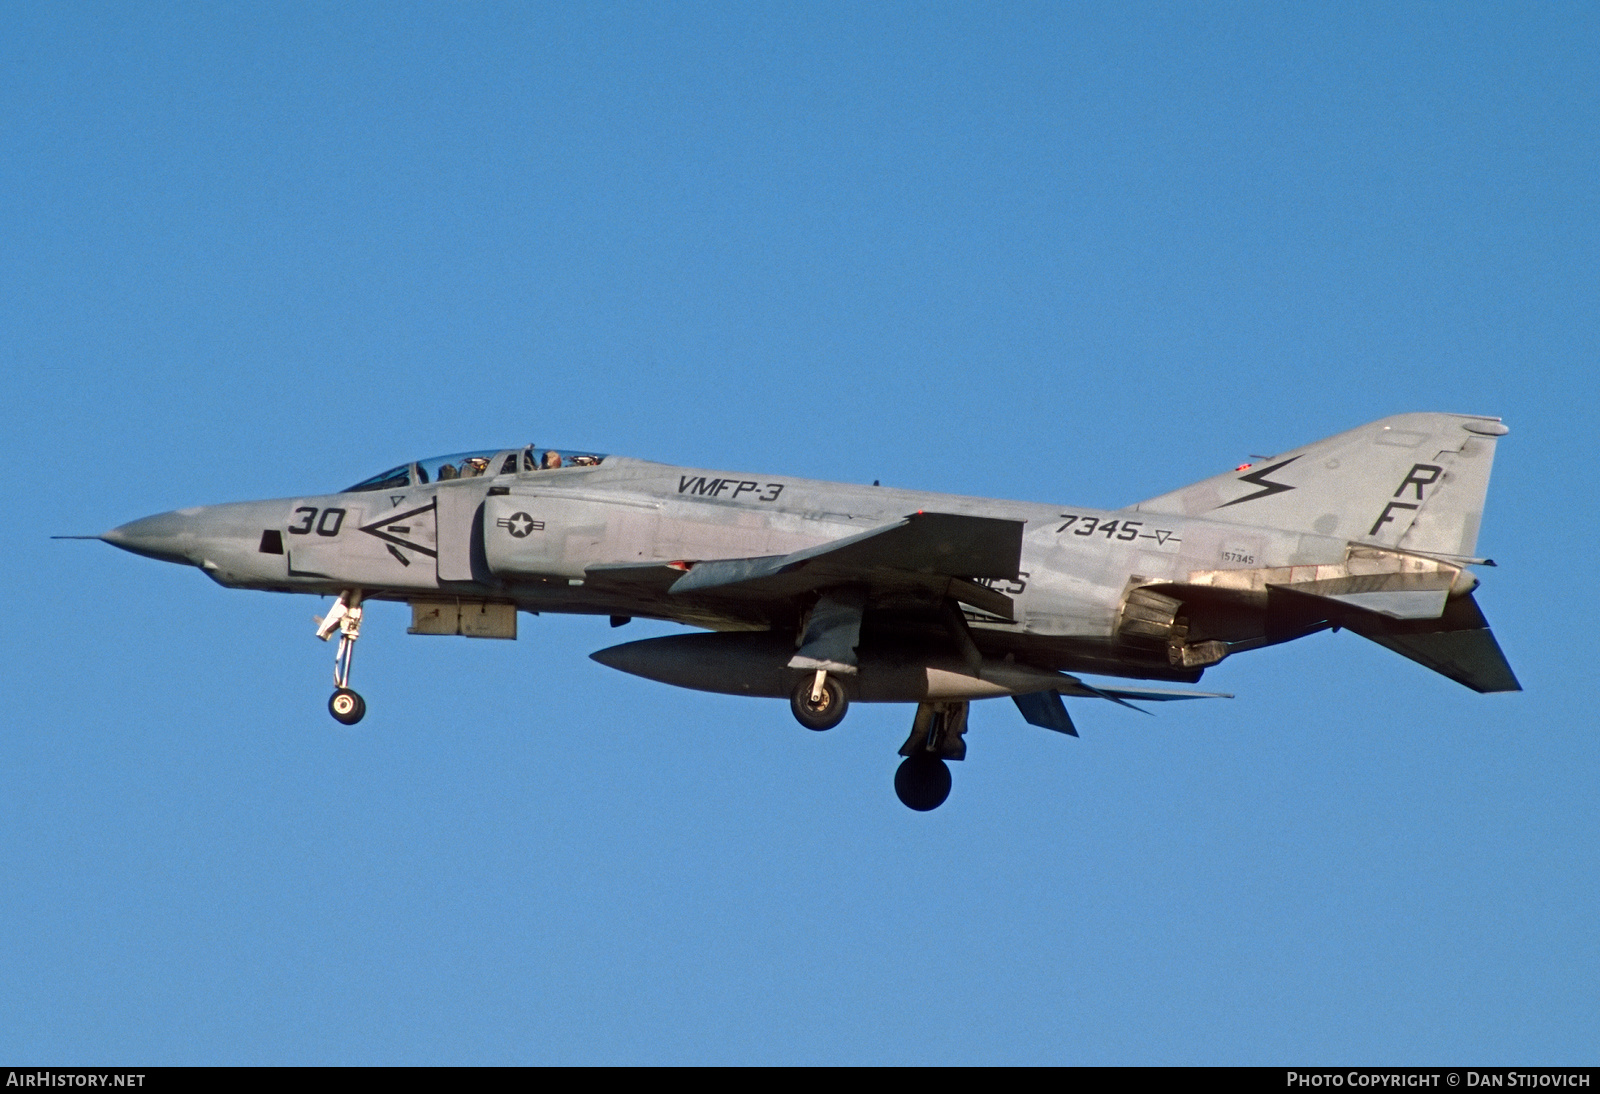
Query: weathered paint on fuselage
{"x": 426, "y": 542}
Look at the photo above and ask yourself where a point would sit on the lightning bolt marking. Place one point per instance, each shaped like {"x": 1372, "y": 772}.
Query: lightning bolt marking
{"x": 1259, "y": 478}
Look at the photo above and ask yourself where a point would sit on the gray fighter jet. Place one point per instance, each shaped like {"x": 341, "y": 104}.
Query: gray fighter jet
{"x": 827, "y": 593}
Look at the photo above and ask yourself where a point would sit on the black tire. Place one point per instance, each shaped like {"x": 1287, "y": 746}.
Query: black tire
{"x": 922, "y": 783}
{"x": 347, "y": 707}
{"x": 819, "y": 716}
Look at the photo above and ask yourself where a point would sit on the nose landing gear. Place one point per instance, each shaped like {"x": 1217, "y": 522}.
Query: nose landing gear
{"x": 345, "y": 617}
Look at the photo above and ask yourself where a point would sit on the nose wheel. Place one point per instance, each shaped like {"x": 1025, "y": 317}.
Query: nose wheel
{"x": 347, "y": 707}
{"x": 345, "y": 617}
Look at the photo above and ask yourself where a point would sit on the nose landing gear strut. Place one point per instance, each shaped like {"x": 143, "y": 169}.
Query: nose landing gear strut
{"x": 345, "y": 617}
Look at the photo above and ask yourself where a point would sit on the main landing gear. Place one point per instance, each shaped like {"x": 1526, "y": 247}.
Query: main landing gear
{"x": 345, "y": 617}
{"x": 938, "y": 734}
{"x": 922, "y": 782}
{"x": 819, "y": 702}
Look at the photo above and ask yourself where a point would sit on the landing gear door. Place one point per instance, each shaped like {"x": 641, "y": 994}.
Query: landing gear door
{"x": 460, "y": 510}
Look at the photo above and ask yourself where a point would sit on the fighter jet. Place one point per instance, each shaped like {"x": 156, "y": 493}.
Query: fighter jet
{"x": 828, "y": 594}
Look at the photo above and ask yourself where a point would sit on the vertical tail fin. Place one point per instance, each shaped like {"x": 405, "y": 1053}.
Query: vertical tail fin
{"x": 1415, "y": 482}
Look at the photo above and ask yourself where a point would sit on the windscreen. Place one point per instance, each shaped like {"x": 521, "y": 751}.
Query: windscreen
{"x": 388, "y": 480}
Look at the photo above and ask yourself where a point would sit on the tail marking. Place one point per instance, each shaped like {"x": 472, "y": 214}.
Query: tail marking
{"x": 1259, "y": 478}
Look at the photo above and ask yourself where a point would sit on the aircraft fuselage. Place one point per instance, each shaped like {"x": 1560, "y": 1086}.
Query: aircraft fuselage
{"x": 830, "y": 592}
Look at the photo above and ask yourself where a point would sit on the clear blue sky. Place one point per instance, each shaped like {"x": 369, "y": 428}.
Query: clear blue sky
{"x": 1070, "y": 253}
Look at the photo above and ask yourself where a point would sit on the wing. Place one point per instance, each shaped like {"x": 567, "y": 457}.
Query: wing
{"x": 936, "y": 555}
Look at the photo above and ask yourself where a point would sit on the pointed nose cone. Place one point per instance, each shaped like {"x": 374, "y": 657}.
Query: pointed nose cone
{"x": 169, "y": 537}
{"x": 613, "y": 657}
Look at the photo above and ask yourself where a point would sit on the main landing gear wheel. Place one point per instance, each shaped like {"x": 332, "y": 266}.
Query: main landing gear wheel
{"x": 347, "y": 707}
{"x": 819, "y": 704}
{"x": 922, "y": 782}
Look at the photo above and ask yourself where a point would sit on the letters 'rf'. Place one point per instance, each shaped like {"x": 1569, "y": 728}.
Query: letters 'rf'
{"x": 829, "y": 594}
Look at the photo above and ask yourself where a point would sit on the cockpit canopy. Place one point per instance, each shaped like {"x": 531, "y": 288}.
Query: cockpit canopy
{"x": 471, "y": 465}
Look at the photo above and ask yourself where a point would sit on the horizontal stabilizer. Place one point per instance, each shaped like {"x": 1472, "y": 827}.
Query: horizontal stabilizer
{"x": 942, "y": 552}
{"x": 1472, "y": 657}
{"x": 1046, "y": 710}
{"x": 1458, "y": 644}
